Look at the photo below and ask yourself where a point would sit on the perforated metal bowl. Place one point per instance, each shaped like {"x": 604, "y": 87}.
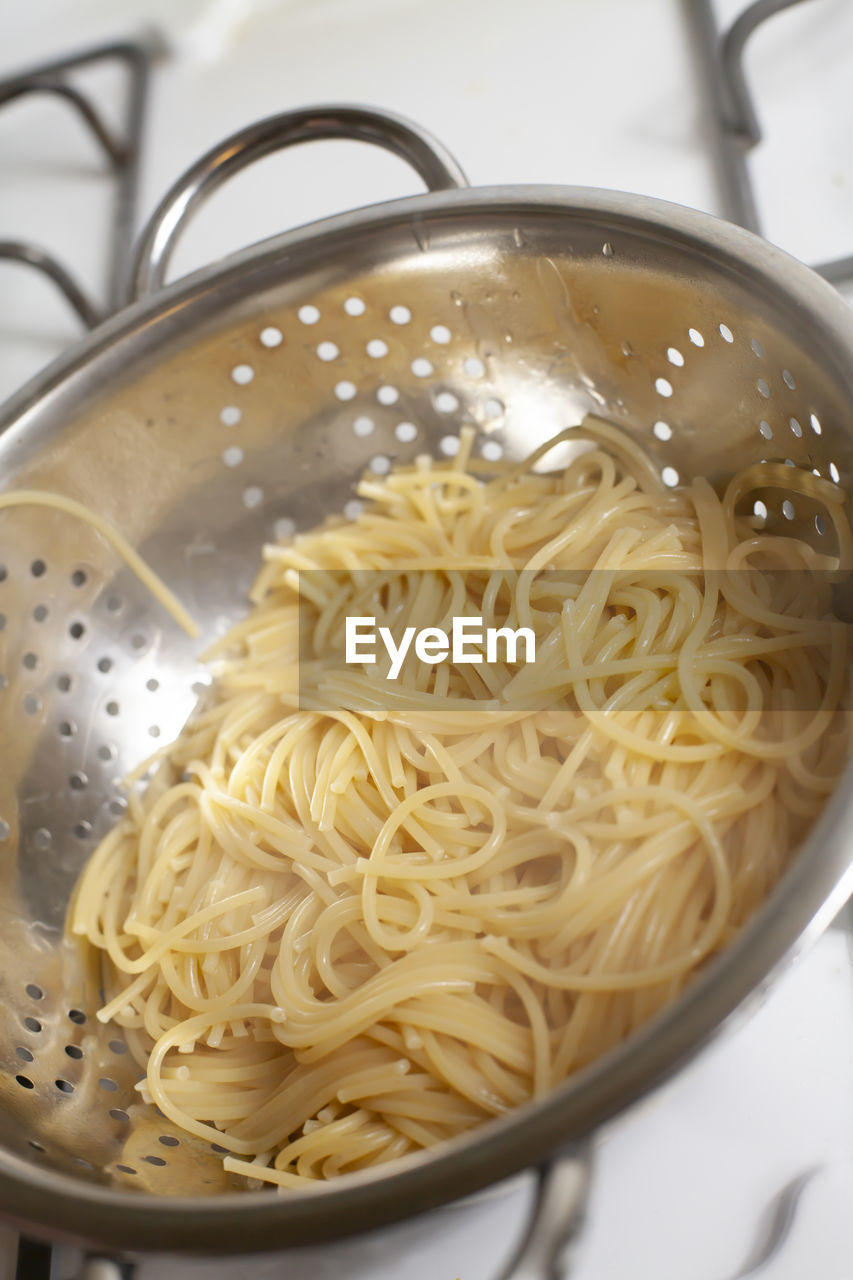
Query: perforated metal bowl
{"x": 244, "y": 402}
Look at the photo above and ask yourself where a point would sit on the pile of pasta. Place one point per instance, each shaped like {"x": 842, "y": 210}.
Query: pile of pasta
{"x": 348, "y": 918}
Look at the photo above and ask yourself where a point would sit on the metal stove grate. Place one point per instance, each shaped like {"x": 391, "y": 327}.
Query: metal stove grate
{"x": 733, "y": 114}
{"x": 121, "y": 150}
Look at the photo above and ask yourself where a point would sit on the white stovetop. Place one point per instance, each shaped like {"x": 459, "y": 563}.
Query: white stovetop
{"x": 587, "y": 92}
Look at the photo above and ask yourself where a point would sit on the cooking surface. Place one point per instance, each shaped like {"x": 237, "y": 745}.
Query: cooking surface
{"x": 591, "y": 94}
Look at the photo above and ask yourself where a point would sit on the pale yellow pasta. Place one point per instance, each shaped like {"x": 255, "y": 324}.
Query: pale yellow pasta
{"x": 349, "y": 917}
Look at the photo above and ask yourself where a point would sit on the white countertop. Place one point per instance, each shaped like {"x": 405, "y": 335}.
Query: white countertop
{"x": 592, "y": 92}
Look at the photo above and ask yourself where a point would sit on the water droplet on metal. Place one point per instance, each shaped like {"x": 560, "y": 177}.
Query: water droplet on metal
{"x": 607, "y": 249}
{"x": 421, "y": 234}
{"x": 518, "y": 237}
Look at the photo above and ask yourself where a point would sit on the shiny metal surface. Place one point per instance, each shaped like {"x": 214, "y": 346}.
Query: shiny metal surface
{"x": 120, "y": 147}
{"x": 775, "y": 1225}
{"x": 32, "y": 256}
{"x": 246, "y": 401}
{"x": 424, "y": 153}
{"x": 556, "y": 1219}
{"x": 735, "y": 123}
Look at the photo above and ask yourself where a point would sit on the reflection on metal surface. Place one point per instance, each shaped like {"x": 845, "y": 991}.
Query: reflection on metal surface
{"x": 252, "y": 401}
{"x": 426, "y": 155}
{"x": 556, "y": 1218}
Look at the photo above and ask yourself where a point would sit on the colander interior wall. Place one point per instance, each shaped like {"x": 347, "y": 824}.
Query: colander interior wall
{"x": 245, "y": 406}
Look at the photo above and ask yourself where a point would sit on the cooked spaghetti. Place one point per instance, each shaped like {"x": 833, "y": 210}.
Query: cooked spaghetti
{"x": 347, "y": 919}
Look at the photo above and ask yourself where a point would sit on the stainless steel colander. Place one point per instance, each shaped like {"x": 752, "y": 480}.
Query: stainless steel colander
{"x": 244, "y": 403}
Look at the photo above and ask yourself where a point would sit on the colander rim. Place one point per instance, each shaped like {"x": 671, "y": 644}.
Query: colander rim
{"x": 52, "y": 1203}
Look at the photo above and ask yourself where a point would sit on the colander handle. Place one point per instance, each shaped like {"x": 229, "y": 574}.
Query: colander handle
{"x": 393, "y": 133}
{"x": 556, "y": 1217}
